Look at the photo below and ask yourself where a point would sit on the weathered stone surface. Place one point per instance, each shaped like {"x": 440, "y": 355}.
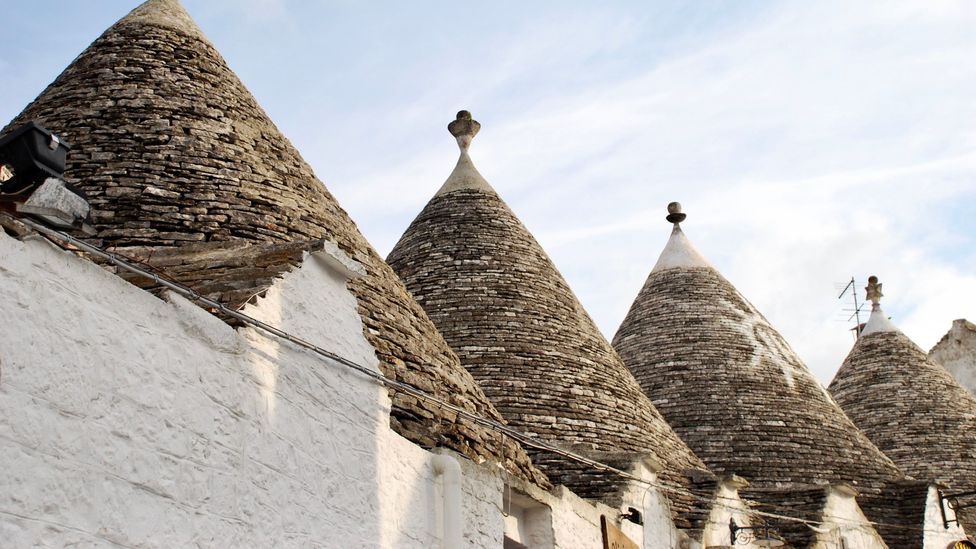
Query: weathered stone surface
{"x": 736, "y": 393}
{"x": 519, "y": 329}
{"x": 156, "y": 118}
{"x": 957, "y": 352}
{"x": 912, "y": 409}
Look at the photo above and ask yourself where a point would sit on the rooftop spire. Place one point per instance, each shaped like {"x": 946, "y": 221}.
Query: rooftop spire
{"x": 674, "y": 213}
{"x": 873, "y": 290}
{"x": 464, "y": 129}
{"x": 679, "y": 252}
{"x": 878, "y": 322}
{"x": 465, "y": 176}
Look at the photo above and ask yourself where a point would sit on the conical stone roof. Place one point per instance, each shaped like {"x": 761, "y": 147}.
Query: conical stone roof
{"x": 504, "y": 308}
{"x": 909, "y": 406}
{"x": 731, "y": 387}
{"x": 171, "y": 149}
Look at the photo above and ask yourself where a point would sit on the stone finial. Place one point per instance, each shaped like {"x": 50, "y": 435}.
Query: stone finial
{"x": 873, "y": 290}
{"x": 464, "y": 129}
{"x": 674, "y": 213}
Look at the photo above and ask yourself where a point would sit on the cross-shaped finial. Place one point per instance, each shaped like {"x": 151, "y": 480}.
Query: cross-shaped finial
{"x": 873, "y": 290}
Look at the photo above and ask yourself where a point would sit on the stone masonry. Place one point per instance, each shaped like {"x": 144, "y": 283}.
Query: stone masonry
{"x": 501, "y": 304}
{"x": 172, "y": 150}
{"x": 912, "y": 409}
{"x": 732, "y": 388}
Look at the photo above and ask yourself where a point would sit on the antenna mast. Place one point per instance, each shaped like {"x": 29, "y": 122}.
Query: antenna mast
{"x": 856, "y": 311}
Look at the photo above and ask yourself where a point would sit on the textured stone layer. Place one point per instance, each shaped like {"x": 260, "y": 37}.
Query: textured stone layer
{"x": 172, "y": 149}
{"x": 736, "y": 393}
{"x": 504, "y": 308}
{"x": 912, "y": 409}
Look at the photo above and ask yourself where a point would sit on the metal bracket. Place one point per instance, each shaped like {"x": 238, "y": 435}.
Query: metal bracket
{"x": 952, "y": 502}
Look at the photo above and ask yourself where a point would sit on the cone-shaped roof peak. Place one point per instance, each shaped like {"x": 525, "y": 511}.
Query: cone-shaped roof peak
{"x": 908, "y": 405}
{"x": 161, "y": 13}
{"x": 174, "y": 153}
{"x": 465, "y": 176}
{"x": 878, "y": 321}
{"x": 734, "y": 390}
{"x": 679, "y": 253}
{"x": 517, "y": 326}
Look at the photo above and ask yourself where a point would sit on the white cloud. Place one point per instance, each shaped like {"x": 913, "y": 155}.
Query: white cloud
{"x": 817, "y": 142}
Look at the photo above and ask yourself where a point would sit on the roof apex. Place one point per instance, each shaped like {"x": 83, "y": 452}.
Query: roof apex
{"x": 878, "y": 322}
{"x": 161, "y": 13}
{"x": 679, "y": 253}
{"x": 465, "y": 176}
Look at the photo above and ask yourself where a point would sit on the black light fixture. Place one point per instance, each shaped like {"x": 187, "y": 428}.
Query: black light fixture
{"x": 757, "y": 535}
{"x": 30, "y": 154}
{"x": 953, "y": 501}
{"x": 32, "y": 162}
{"x": 633, "y": 515}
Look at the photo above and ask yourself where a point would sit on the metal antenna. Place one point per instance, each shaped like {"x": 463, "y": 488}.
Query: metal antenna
{"x": 851, "y": 287}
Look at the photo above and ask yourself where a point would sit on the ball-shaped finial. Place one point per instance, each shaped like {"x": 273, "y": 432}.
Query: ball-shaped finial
{"x": 674, "y": 213}
{"x": 464, "y": 128}
{"x": 872, "y": 280}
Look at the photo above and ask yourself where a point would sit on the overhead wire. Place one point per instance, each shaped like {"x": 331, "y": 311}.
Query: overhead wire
{"x": 159, "y": 278}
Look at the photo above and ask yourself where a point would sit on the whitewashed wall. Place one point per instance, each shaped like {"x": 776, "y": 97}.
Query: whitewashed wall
{"x": 129, "y": 420}
{"x": 957, "y": 352}
{"x": 844, "y": 524}
{"x": 936, "y": 534}
{"x": 730, "y": 505}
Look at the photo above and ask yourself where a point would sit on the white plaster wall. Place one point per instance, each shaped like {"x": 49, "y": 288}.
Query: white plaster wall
{"x": 844, "y": 520}
{"x": 658, "y": 531}
{"x": 126, "y": 420}
{"x": 936, "y": 534}
{"x": 957, "y": 352}
{"x": 728, "y": 505}
{"x": 575, "y": 522}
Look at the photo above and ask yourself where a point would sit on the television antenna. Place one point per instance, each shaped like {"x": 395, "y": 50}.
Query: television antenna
{"x": 851, "y": 288}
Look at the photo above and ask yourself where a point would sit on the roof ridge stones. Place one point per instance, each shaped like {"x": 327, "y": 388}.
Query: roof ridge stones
{"x": 909, "y": 406}
{"x": 734, "y": 390}
{"x": 505, "y": 309}
{"x": 171, "y": 149}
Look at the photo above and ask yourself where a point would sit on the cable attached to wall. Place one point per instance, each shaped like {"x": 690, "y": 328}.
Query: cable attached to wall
{"x": 504, "y": 430}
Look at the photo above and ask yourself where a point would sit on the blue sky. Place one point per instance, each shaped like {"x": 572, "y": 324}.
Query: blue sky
{"x": 808, "y": 141}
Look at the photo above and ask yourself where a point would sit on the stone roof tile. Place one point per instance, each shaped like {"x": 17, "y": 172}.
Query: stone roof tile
{"x": 504, "y": 308}
{"x": 910, "y": 407}
{"x": 172, "y": 150}
{"x": 734, "y": 390}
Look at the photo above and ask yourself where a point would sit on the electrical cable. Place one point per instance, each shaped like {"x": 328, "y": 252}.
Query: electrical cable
{"x": 395, "y": 385}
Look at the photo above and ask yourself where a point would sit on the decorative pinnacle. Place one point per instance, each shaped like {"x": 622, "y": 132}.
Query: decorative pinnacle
{"x": 464, "y": 129}
{"x": 674, "y": 213}
{"x": 874, "y": 294}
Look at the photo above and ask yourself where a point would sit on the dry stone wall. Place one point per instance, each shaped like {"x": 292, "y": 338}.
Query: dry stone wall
{"x": 172, "y": 149}
{"x": 912, "y": 409}
{"x": 736, "y": 393}
{"x": 505, "y": 309}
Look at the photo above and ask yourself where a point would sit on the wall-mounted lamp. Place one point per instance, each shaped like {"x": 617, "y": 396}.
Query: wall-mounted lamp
{"x": 952, "y": 501}
{"x": 633, "y": 515}
{"x": 757, "y": 535}
{"x": 32, "y": 161}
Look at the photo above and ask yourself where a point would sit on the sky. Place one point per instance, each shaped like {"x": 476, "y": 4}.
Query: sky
{"x": 809, "y": 142}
